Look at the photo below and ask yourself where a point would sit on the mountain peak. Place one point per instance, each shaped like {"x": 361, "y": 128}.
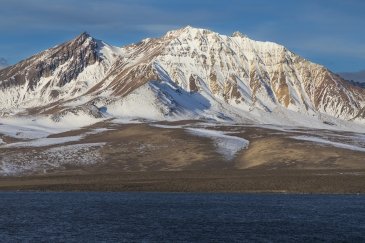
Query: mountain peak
{"x": 84, "y": 34}
{"x": 188, "y": 27}
{"x": 188, "y": 30}
{"x": 82, "y": 37}
{"x": 239, "y": 34}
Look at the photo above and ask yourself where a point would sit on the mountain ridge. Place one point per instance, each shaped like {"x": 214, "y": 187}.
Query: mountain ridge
{"x": 189, "y": 73}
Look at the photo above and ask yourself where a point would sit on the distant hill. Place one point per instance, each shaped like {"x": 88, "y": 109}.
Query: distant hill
{"x": 356, "y": 78}
{"x": 3, "y": 63}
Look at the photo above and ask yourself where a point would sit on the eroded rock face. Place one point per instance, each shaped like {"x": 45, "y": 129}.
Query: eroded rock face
{"x": 231, "y": 91}
{"x": 266, "y": 74}
{"x": 59, "y": 73}
{"x": 193, "y": 87}
{"x": 78, "y": 54}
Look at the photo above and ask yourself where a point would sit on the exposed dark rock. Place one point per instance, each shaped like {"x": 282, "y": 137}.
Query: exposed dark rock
{"x": 78, "y": 53}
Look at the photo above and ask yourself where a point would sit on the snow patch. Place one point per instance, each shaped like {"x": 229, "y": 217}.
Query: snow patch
{"x": 226, "y": 145}
{"x": 41, "y": 127}
{"x": 126, "y": 120}
{"x": 166, "y": 126}
{"x": 42, "y": 142}
{"x": 15, "y": 163}
{"x": 141, "y": 103}
{"x": 334, "y": 144}
{"x": 98, "y": 130}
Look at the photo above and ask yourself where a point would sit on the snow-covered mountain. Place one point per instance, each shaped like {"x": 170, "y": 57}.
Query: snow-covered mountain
{"x": 188, "y": 73}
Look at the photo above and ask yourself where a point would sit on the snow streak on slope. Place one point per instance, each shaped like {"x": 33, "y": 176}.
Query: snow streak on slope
{"x": 226, "y": 145}
{"x": 330, "y": 143}
{"x": 42, "y": 142}
{"x": 41, "y": 127}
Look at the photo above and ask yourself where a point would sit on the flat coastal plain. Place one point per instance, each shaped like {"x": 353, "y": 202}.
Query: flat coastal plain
{"x": 186, "y": 156}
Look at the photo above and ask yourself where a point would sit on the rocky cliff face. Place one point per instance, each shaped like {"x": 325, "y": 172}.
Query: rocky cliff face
{"x": 251, "y": 74}
{"x": 187, "y": 71}
{"x": 57, "y": 73}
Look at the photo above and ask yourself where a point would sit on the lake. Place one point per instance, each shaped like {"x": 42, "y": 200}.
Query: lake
{"x": 180, "y": 217}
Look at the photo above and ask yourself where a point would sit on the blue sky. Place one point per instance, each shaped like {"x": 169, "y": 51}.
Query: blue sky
{"x": 329, "y": 32}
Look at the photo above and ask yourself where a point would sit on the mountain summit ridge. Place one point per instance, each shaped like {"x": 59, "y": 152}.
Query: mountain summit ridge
{"x": 189, "y": 73}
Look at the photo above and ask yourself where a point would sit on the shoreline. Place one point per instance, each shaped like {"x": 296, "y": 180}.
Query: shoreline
{"x": 263, "y": 193}
{"x": 303, "y": 182}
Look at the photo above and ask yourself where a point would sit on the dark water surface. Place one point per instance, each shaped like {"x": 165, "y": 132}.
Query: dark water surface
{"x": 180, "y": 217}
